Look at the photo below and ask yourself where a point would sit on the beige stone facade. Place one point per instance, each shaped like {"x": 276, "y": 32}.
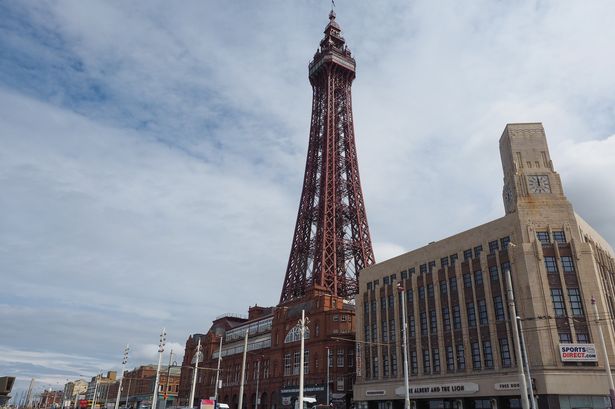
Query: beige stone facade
{"x": 461, "y": 347}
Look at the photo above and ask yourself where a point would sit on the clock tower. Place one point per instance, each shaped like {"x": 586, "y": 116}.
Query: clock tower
{"x": 529, "y": 177}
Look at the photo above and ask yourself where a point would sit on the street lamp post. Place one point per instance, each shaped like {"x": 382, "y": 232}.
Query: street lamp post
{"x": 515, "y": 330}
{"x": 196, "y": 370}
{"x": 95, "y": 390}
{"x": 161, "y": 344}
{"x": 328, "y": 381}
{"x": 243, "y": 370}
{"x": 530, "y": 389}
{"x": 302, "y": 357}
{"x": 119, "y": 387}
{"x": 402, "y": 291}
{"x": 607, "y": 365}
{"x": 166, "y": 389}
{"x": 218, "y": 371}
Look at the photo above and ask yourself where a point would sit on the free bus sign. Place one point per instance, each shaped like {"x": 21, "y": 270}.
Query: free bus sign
{"x": 578, "y": 353}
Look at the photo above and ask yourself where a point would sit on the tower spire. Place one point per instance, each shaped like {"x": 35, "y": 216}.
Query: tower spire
{"x": 331, "y": 242}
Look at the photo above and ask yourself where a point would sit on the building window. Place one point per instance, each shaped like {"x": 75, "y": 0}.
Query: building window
{"x": 475, "y": 356}
{"x": 392, "y": 330}
{"x": 471, "y": 314}
{"x": 411, "y": 326}
{"x": 435, "y": 355}
{"x": 391, "y": 302}
{"x": 366, "y": 331}
{"x": 444, "y": 261}
{"x": 443, "y": 287}
{"x": 421, "y": 293}
{"x": 498, "y": 307}
{"x": 452, "y": 282}
{"x": 433, "y": 322}
{"x": 505, "y": 267}
{"x": 550, "y": 264}
{"x": 414, "y": 365}
{"x": 450, "y": 360}
{"x": 385, "y": 332}
{"x": 287, "y": 365}
{"x": 404, "y": 274}
{"x": 351, "y": 358}
{"x": 423, "y": 268}
{"x": 411, "y": 271}
{"x": 576, "y": 306}
{"x": 461, "y": 357}
{"x": 409, "y": 296}
{"x": 456, "y": 317}
{"x": 369, "y": 285}
{"x": 467, "y": 280}
{"x": 393, "y": 364}
{"x": 505, "y": 353}
{"x": 493, "y": 273}
{"x": 565, "y": 337}
{"x": 504, "y": 241}
{"x": 567, "y": 264}
{"x": 559, "y": 236}
{"x": 375, "y": 371}
{"x": 583, "y": 337}
{"x": 295, "y": 334}
{"x": 453, "y": 258}
{"x": 543, "y": 237}
{"x": 478, "y": 278}
{"x": 385, "y": 280}
{"x": 493, "y": 246}
{"x": 430, "y": 290}
{"x": 558, "y": 302}
{"x": 482, "y": 312}
{"x": 431, "y": 265}
{"x": 482, "y": 404}
{"x": 446, "y": 319}
{"x": 426, "y": 363}
{"x": 374, "y": 331}
{"x": 393, "y": 277}
{"x": 467, "y": 254}
{"x": 423, "y": 317}
{"x": 336, "y": 317}
{"x": 385, "y": 364}
{"x": 477, "y": 250}
{"x": 488, "y": 354}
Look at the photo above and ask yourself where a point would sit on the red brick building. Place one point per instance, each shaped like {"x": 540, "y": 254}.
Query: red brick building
{"x": 272, "y": 363}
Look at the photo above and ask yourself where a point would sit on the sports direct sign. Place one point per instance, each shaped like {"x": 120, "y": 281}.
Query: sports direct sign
{"x": 578, "y": 353}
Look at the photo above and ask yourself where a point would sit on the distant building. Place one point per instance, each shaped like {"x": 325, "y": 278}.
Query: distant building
{"x": 101, "y": 385}
{"x": 138, "y": 387}
{"x": 73, "y": 391}
{"x": 461, "y": 350}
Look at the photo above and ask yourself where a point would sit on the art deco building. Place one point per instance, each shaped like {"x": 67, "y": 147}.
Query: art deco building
{"x": 461, "y": 349}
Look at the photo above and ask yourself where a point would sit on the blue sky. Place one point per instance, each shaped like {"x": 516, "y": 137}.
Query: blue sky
{"x": 151, "y": 154}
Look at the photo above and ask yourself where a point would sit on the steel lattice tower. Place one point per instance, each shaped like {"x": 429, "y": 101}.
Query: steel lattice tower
{"x": 331, "y": 242}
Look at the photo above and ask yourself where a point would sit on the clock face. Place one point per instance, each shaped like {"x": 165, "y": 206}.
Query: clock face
{"x": 538, "y": 184}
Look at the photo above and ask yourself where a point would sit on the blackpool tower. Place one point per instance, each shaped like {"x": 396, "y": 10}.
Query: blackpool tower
{"x": 331, "y": 241}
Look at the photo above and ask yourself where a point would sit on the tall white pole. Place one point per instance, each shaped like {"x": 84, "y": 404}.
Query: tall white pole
{"x": 95, "y": 390}
{"x": 196, "y": 370}
{"x": 302, "y": 332}
{"x": 528, "y": 376}
{"x": 607, "y": 365}
{"x": 218, "y": 371}
{"x": 328, "y": 381}
{"x": 515, "y": 329}
{"x": 258, "y": 373}
{"x": 402, "y": 290}
{"x": 243, "y": 370}
{"x": 119, "y": 387}
{"x": 163, "y": 339}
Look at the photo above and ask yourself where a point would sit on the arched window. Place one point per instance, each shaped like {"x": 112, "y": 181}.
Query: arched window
{"x": 295, "y": 334}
